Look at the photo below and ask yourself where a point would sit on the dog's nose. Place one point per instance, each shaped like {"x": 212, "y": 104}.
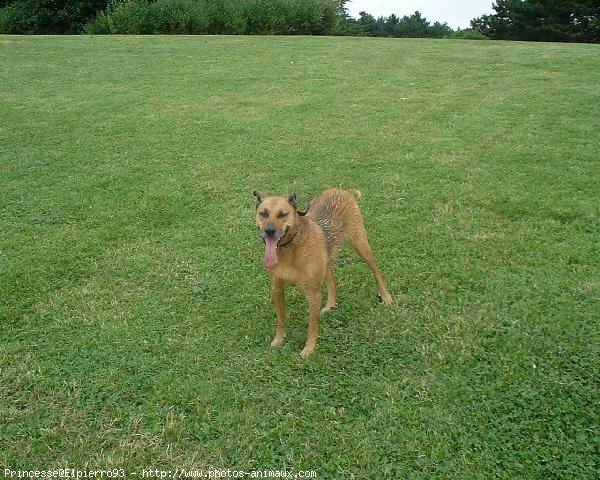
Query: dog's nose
{"x": 270, "y": 231}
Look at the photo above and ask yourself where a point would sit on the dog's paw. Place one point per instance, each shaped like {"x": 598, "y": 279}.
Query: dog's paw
{"x": 385, "y": 298}
{"x": 307, "y": 351}
{"x": 328, "y": 308}
{"x": 278, "y": 341}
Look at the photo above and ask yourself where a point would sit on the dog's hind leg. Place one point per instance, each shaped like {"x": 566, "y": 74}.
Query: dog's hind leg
{"x": 330, "y": 290}
{"x": 360, "y": 244}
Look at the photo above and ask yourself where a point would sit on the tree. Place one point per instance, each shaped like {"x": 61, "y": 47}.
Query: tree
{"x": 390, "y": 25}
{"x": 367, "y": 23}
{"x": 345, "y": 24}
{"x": 415, "y": 25}
{"x": 439, "y": 30}
{"x": 542, "y": 20}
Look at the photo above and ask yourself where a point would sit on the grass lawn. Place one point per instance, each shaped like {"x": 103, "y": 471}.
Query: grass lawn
{"x": 135, "y": 317}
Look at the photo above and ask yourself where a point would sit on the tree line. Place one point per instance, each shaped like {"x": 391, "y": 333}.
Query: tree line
{"x": 545, "y": 20}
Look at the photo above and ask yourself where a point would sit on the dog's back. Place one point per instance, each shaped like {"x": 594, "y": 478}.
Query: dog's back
{"x": 337, "y": 213}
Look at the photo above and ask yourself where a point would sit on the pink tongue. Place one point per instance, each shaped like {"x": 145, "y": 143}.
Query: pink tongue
{"x": 270, "y": 252}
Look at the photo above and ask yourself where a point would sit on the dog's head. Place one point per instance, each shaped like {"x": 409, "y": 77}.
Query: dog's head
{"x": 275, "y": 217}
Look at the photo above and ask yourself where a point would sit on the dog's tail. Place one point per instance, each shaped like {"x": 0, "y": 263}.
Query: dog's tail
{"x": 355, "y": 193}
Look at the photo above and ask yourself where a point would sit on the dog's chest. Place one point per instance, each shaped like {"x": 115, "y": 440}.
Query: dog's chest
{"x": 285, "y": 272}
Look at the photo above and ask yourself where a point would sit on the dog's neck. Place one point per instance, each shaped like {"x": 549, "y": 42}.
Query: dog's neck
{"x": 290, "y": 236}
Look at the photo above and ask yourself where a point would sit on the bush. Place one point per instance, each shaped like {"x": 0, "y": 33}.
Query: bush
{"x": 224, "y": 17}
{"x": 313, "y": 17}
{"x": 48, "y": 16}
{"x": 467, "y": 34}
{"x": 263, "y": 17}
{"x": 131, "y": 17}
{"x": 181, "y": 17}
{"x": 13, "y": 19}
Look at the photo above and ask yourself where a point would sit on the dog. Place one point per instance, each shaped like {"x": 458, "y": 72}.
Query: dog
{"x": 301, "y": 247}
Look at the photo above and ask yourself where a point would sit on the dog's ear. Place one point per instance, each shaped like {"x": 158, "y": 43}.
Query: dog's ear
{"x": 292, "y": 200}
{"x": 260, "y": 196}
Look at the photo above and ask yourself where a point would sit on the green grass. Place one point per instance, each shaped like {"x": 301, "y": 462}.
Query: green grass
{"x": 135, "y": 312}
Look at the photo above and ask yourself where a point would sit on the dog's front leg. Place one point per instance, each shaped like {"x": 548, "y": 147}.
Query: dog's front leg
{"x": 277, "y": 292}
{"x": 313, "y": 295}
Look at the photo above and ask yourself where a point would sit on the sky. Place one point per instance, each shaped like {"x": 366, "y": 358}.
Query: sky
{"x": 454, "y": 13}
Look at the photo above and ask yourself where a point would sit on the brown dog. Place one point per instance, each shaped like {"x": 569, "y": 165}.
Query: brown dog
{"x": 300, "y": 249}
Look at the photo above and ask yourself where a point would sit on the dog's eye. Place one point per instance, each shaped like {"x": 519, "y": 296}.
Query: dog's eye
{"x": 282, "y": 215}
{"x": 264, "y": 214}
